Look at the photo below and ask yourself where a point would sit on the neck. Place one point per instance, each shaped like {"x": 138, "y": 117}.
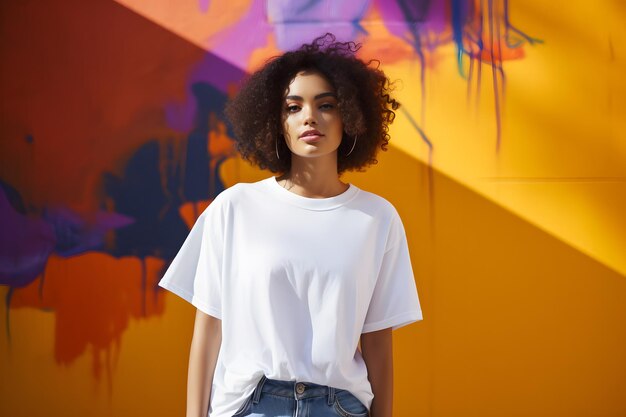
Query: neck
{"x": 313, "y": 177}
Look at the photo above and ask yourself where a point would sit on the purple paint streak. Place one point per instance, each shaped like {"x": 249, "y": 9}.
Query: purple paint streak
{"x": 25, "y": 244}
{"x": 203, "y": 5}
{"x": 27, "y": 241}
{"x": 212, "y": 70}
{"x": 298, "y": 22}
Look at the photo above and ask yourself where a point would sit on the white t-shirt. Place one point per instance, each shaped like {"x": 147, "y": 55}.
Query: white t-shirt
{"x": 295, "y": 281}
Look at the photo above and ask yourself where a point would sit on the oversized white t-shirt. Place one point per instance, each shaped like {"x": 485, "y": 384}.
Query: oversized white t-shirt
{"x": 295, "y": 281}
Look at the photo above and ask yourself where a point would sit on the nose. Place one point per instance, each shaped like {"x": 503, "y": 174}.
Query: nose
{"x": 309, "y": 118}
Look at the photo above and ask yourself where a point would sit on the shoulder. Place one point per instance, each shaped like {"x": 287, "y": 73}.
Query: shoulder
{"x": 378, "y": 204}
{"x": 242, "y": 190}
{"x": 235, "y": 193}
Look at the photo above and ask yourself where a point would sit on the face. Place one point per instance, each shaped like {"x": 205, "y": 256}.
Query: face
{"x": 311, "y": 106}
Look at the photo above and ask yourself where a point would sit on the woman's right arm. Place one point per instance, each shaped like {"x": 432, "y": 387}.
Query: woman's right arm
{"x": 205, "y": 346}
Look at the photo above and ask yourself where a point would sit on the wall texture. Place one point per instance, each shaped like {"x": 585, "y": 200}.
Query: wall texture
{"x": 507, "y": 163}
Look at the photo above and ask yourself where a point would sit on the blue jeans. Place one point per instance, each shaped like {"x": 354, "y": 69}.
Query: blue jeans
{"x": 276, "y": 398}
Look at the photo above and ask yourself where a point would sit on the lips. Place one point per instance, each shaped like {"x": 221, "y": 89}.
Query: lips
{"x": 311, "y": 132}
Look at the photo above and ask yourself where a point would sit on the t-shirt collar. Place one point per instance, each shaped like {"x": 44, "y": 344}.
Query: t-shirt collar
{"x": 327, "y": 203}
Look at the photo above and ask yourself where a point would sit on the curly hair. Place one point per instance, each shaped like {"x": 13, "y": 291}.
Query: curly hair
{"x": 365, "y": 105}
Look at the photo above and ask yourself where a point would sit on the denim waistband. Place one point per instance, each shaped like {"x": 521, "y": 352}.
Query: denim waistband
{"x": 294, "y": 389}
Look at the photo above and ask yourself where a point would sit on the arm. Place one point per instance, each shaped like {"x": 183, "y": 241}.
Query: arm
{"x": 377, "y": 350}
{"x": 205, "y": 346}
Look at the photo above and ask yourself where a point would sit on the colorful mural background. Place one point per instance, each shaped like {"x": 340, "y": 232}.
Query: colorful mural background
{"x": 507, "y": 165}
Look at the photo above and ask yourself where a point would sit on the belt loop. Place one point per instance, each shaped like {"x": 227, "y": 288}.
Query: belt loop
{"x": 331, "y": 395}
{"x": 258, "y": 389}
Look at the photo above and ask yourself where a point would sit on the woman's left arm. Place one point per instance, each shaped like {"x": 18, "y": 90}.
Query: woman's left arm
{"x": 377, "y": 351}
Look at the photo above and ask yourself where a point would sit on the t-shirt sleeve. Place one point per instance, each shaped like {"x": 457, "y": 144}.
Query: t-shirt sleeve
{"x": 195, "y": 274}
{"x": 394, "y": 302}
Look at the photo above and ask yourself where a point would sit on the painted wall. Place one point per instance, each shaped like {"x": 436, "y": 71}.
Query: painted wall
{"x": 507, "y": 163}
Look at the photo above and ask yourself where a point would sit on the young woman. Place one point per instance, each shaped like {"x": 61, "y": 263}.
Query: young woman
{"x": 289, "y": 273}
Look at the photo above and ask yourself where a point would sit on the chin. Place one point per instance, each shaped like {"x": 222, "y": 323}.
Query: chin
{"x": 314, "y": 153}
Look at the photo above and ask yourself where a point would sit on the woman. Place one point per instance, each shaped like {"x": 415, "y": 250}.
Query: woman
{"x": 289, "y": 274}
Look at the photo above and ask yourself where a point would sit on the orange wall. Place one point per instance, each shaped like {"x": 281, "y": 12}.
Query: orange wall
{"x": 517, "y": 238}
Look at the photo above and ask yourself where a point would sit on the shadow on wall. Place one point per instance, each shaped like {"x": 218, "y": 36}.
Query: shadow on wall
{"x": 145, "y": 212}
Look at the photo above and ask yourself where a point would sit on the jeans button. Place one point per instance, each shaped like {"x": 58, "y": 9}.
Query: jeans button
{"x": 299, "y": 388}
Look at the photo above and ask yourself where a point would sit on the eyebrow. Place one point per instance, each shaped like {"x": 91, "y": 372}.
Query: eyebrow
{"x": 316, "y": 97}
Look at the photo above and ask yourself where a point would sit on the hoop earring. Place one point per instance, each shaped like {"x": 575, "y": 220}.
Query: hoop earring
{"x": 276, "y": 142}
{"x": 355, "y": 136}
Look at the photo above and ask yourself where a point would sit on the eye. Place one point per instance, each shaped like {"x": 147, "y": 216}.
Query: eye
{"x": 327, "y": 106}
{"x": 292, "y": 108}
